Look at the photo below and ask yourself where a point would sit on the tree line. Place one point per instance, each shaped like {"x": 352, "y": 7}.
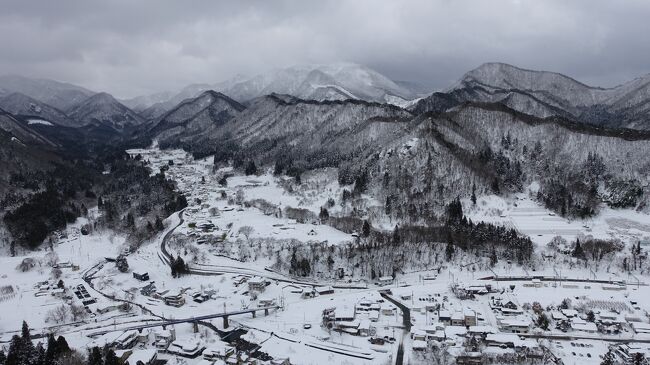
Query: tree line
{"x": 56, "y": 351}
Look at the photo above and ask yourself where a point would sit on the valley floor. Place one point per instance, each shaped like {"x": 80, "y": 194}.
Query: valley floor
{"x": 455, "y": 310}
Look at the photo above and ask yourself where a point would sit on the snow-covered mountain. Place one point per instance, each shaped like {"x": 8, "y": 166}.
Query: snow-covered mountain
{"x": 200, "y": 124}
{"x": 104, "y": 109}
{"x": 339, "y": 81}
{"x": 545, "y": 94}
{"x": 30, "y": 108}
{"x": 140, "y": 103}
{"x": 195, "y": 116}
{"x": 22, "y": 132}
{"x": 157, "y": 109}
{"x": 60, "y": 95}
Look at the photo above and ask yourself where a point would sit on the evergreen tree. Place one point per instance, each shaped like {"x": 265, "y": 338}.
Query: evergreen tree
{"x": 609, "y": 358}
{"x": 361, "y": 183}
{"x": 39, "y": 355}
{"x": 365, "y": 230}
{"x": 495, "y": 186}
{"x": 21, "y": 349}
{"x": 455, "y": 211}
{"x": 397, "y": 239}
{"x": 110, "y": 358}
{"x": 277, "y": 169}
{"x": 52, "y": 352}
{"x": 493, "y": 257}
{"x": 13, "y": 356}
{"x": 250, "y": 169}
{"x": 324, "y": 215}
{"x": 449, "y": 251}
{"x": 95, "y": 356}
{"x": 578, "y": 252}
{"x": 293, "y": 263}
{"x": 591, "y": 317}
{"x": 25, "y": 335}
{"x": 473, "y": 198}
{"x": 62, "y": 346}
{"x": 388, "y": 208}
{"x": 639, "y": 359}
{"x": 122, "y": 264}
{"x": 178, "y": 267}
{"x": 159, "y": 224}
{"x": 130, "y": 221}
{"x": 172, "y": 266}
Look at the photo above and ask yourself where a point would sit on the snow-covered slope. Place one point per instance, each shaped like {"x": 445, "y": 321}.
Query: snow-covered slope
{"x": 21, "y": 104}
{"x": 194, "y": 116}
{"x": 309, "y": 122}
{"x": 57, "y": 94}
{"x": 103, "y": 108}
{"x": 274, "y": 123}
{"x": 21, "y": 131}
{"x": 351, "y": 80}
{"x": 140, "y": 103}
{"x": 544, "y": 94}
{"x": 338, "y": 81}
{"x": 494, "y": 148}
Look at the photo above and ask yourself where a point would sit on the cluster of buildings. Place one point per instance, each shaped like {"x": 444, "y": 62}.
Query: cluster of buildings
{"x": 358, "y": 320}
{"x": 131, "y": 347}
{"x": 176, "y": 298}
{"x": 510, "y": 317}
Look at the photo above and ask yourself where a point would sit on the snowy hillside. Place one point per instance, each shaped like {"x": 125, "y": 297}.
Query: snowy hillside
{"x": 195, "y": 117}
{"x": 103, "y": 108}
{"x": 58, "y": 94}
{"x": 338, "y": 81}
{"x": 544, "y": 94}
{"x": 21, "y": 104}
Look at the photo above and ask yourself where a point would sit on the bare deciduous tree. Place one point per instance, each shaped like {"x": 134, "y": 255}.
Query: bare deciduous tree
{"x": 78, "y": 312}
{"x": 51, "y": 258}
{"x": 246, "y": 231}
{"x": 58, "y": 314}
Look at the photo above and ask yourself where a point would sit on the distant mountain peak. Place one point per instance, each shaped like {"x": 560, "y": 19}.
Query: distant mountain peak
{"x": 544, "y": 94}
{"x": 60, "y": 95}
{"x": 321, "y": 82}
{"x": 104, "y": 108}
{"x": 503, "y": 75}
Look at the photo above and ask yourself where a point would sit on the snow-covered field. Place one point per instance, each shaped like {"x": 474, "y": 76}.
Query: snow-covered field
{"x": 528, "y": 217}
{"x": 39, "y": 121}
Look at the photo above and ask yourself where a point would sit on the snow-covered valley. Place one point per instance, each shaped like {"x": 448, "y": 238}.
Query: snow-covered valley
{"x": 231, "y": 239}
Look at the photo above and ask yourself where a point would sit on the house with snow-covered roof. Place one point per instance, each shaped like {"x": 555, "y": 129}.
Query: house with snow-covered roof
{"x": 515, "y": 325}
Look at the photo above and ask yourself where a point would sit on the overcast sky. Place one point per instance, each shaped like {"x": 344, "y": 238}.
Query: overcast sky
{"x": 133, "y": 47}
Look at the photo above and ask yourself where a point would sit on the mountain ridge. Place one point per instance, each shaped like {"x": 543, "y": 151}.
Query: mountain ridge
{"x": 104, "y": 108}
{"x": 545, "y": 93}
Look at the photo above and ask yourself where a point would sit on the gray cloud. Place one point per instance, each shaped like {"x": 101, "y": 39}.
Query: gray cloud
{"x": 135, "y": 47}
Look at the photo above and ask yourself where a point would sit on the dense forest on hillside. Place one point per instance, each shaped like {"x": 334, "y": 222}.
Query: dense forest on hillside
{"x": 120, "y": 186}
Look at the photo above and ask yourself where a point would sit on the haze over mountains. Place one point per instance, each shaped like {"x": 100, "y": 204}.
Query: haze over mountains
{"x": 537, "y": 93}
{"x": 343, "y": 115}
{"x": 338, "y": 81}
